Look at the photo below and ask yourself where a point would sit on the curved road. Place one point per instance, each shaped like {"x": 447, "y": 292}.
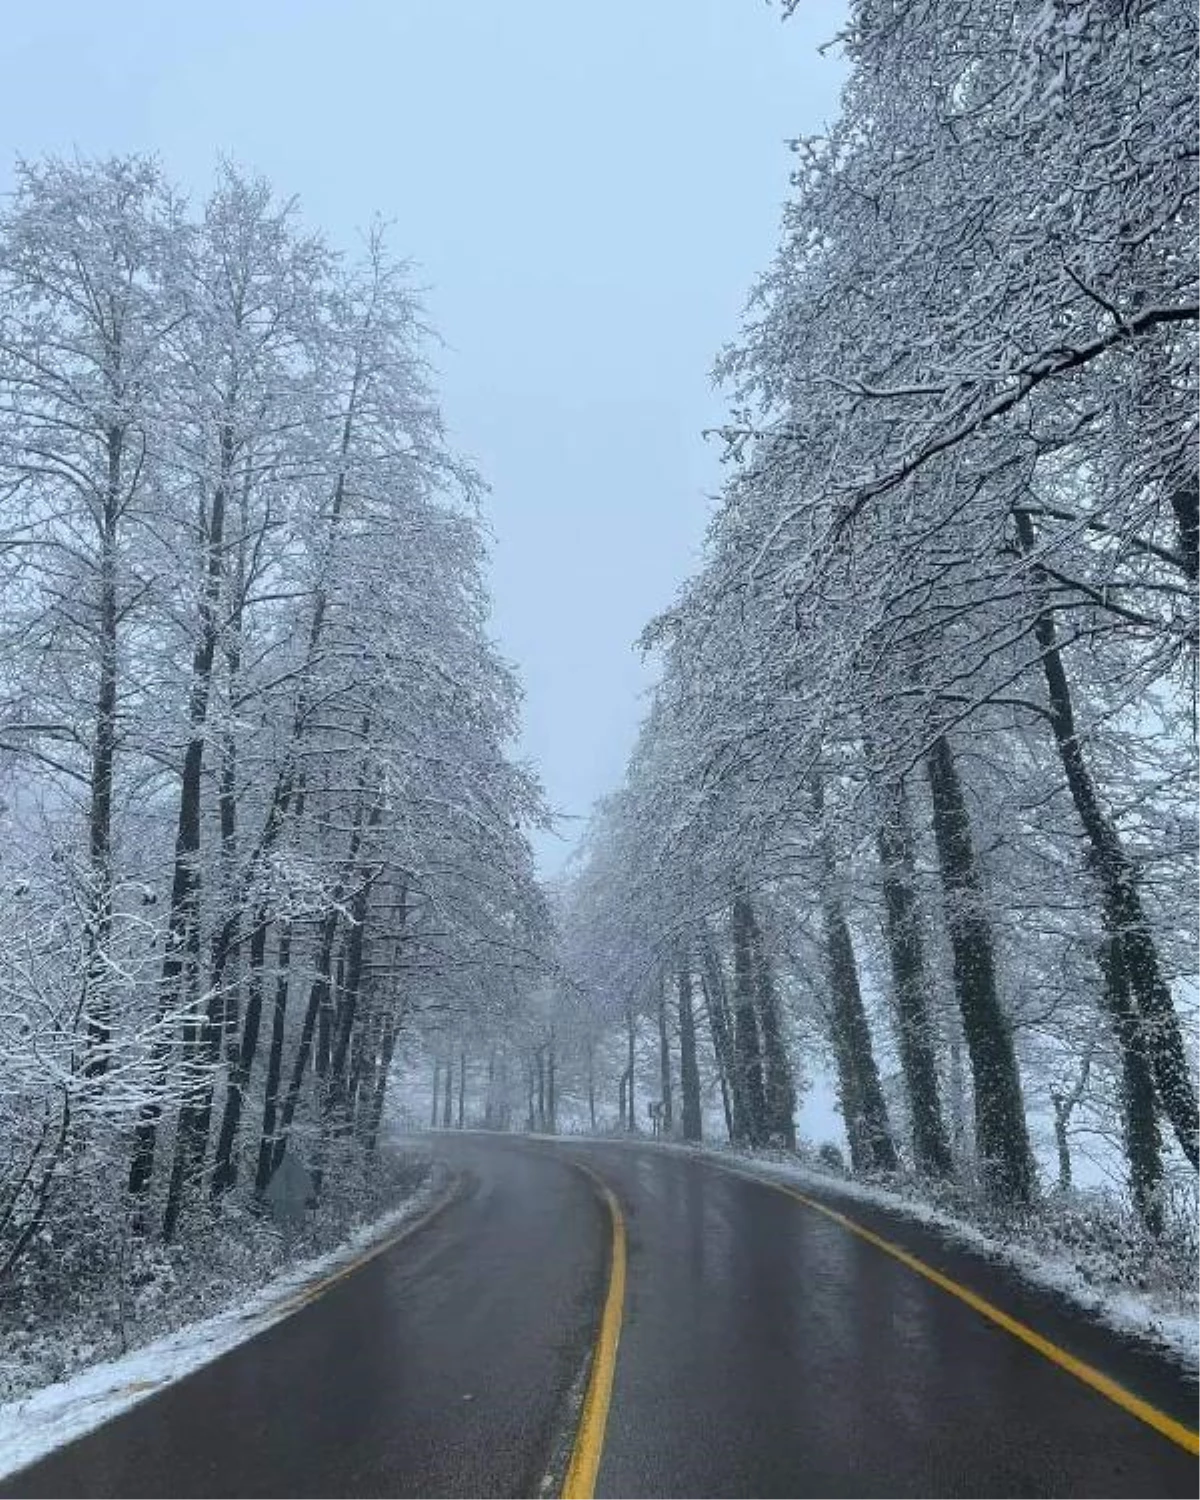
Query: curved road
{"x": 765, "y": 1349}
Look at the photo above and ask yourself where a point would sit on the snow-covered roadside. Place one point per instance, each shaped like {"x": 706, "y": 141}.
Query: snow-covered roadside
{"x": 1168, "y": 1323}
{"x": 46, "y": 1419}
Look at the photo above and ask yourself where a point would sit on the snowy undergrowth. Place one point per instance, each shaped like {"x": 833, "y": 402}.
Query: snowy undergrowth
{"x": 71, "y": 1365}
{"x": 1087, "y": 1247}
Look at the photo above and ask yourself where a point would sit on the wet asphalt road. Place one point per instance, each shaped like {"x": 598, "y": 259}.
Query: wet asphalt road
{"x": 765, "y": 1350}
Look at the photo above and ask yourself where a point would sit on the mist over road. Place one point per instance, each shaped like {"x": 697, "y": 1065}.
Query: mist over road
{"x": 765, "y": 1349}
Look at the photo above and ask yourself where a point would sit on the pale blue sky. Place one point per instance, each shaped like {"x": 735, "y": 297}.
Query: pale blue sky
{"x": 589, "y": 188}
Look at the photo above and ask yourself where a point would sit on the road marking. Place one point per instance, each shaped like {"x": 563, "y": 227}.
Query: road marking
{"x": 580, "y": 1483}
{"x": 1088, "y": 1374}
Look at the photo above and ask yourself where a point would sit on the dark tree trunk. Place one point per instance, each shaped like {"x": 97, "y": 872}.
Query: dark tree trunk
{"x": 325, "y": 1019}
{"x": 957, "y": 1088}
{"x": 181, "y": 954}
{"x": 630, "y": 1067}
{"x": 462, "y": 1088}
{"x": 97, "y": 1005}
{"x": 551, "y": 1089}
{"x": 1142, "y": 1146}
{"x": 1062, "y": 1142}
{"x": 317, "y": 994}
{"x": 448, "y": 1096}
{"x": 721, "y": 1030}
{"x": 864, "y": 1108}
{"x": 219, "y": 1027}
{"x": 1185, "y": 502}
{"x": 336, "y": 1101}
{"x": 720, "y": 1056}
{"x": 241, "y": 1046}
{"x": 437, "y": 1090}
{"x": 489, "y": 1104}
{"x": 1124, "y": 914}
{"x": 379, "y": 1088}
{"x": 591, "y": 1084}
{"x": 221, "y": 1022}
{"x": 1001, "y": 1136}
{"x": 779, "y": 1088}
{"x": 689, "y": 1072}
{"x": 911, "y": 987}
{"x": 664, "y": 1061}
{"x": 224, "y": 1173}
{"x": 747, "y": 1048}
{"x": 266, "y": 1145}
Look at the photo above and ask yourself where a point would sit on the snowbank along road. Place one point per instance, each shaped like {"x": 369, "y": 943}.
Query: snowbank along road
{"x": 589, "y": 1318}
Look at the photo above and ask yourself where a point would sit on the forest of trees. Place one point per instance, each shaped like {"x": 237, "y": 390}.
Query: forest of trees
{"x": 913, "y": 804}
{"x": 257, "y": 808}
{"x": 914, "y": 799}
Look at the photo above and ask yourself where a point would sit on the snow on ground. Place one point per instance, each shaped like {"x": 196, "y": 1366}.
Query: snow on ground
{"x": 1157, "y": 1316}
{"x": 34, "y": 1425}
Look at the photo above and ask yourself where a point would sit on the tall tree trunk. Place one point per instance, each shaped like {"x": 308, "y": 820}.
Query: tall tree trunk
{"x": 664, "y": 1060}
{"x": 1001, "y": 1136}
{"x": 288, "y": 795}
{"x": 318, "y": 997}
{"x": 178, "y": 977}
{"x": 462, "y": 1088}
{"x": 317, "y": 991}
{"x": 379, "y": 1089}
{"x": 747, "y": 1048}
{"x": 721, "y": 1029}
{"x": 957, "y": 1088}
{"x": 266, "y": 1145}
{"x": 489, "y": 1103}
{"x": 721, "y": 1057}
{"x": 864, "y": 1108}
{"x": 437, "y": 1090}
{"x": 911, "y": 986}
{"x": 552, "y": 1087}
{"x": 591, "y": 1084}
{"x": 448, "y": 1097}
{"x": 220, "y": 1024}
{"x": 1124, "y": 914}
{"x": 1142, "y": 1146}
{"x": 779, "y": 1088}
{"x": 225, "y": 1168}
{"x": 689, "y": 1072}
{"x": 630, "y": 1069}
{"x": 335, "y": 1104}
{"x": 1062, "y": 1141}
{"x": 97, "y": 1003}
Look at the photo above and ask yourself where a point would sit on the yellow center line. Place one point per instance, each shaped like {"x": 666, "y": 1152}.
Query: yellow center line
{"x": 1088, "y": 1374}
{"x": 580, "y": 1483}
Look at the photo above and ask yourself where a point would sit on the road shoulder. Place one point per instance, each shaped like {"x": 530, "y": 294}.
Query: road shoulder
{"x": 37, "y": 1424}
